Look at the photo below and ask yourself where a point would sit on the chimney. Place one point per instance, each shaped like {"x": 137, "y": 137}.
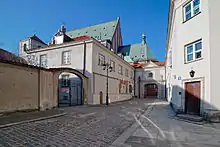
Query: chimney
{"x": 63, "y": 29}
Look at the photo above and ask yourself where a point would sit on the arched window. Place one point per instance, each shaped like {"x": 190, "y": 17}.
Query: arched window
{"x": 25, "y": 47}
{"x": 150, "y": 75}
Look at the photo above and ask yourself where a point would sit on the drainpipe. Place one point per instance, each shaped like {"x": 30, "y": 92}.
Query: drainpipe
{"x": 84, "y": 59}
{"x": 38, "y": 100}
{"x": 134, "y": 82}
{"x": 165, "y": 82}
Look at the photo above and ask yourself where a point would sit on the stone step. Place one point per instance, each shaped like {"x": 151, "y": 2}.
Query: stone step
{"x": 190, "y": 118}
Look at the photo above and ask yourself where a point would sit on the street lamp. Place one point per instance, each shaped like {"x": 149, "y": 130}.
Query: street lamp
{"x": 108, "y": 68}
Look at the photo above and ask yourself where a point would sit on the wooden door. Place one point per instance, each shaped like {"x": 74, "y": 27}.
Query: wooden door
{"x": 150, "y": 90}
{"x": 192, "y": 97}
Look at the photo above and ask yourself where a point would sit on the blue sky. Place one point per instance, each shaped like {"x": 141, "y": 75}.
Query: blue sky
{"x": 22, "y": 18}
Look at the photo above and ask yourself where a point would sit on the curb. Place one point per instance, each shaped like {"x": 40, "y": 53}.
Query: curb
{"x": 32, "y": 120}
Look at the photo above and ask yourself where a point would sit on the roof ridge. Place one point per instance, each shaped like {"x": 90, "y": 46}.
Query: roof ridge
{"x": 91, "y": 25}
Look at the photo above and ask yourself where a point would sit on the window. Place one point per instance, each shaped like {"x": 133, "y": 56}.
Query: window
{"x": 66, "y": 58}
{"x": 101, "y": 59}
{"x": 25, "y": 47}
{"x": 191, "y": 9}
{"x": 150, "y": 75}
{"x": 65, "y": 81}
{"x": 112, "y": 65}
{"x": 193, "y": 51}
{"x": 130, "y": 88}
{"x": 43, "y": 60}
{"x": 132, "y": 74}
{"x": 120, "y": 69}
{"x": 126, "y": 72}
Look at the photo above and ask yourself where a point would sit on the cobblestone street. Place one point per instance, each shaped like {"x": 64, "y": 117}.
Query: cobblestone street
{"x": 135, "y": 123}
{"x": 82, "y": 126}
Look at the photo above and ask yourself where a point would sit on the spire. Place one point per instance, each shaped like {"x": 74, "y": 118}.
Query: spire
{"x": 143, "y": 38}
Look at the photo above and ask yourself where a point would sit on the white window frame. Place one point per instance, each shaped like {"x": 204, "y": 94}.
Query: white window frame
{"x": 43, "y": 60}
{"x": 126, "y": 72}
{"x": 194, "y": 51}
{"x": 66, "y": 57}
{"x": 120, "y": 69}
{"x": 101, "y": 59}
{"x": 192, "y": 10}
{"x": 112, "y": 64}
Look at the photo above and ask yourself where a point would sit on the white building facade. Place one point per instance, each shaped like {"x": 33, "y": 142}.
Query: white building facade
{"x": 150, "y": 80}
{"x": 192, "y": 55}
{"x": 87, "y": 55}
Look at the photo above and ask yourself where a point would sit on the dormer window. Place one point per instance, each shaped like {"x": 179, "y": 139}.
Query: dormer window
{"x": 25, "y": 47}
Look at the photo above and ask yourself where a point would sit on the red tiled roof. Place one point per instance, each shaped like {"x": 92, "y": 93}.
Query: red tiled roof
{"x": 160, "y": 63}
{"x": 81, "y": 38}
{"x": 136, "y": 65}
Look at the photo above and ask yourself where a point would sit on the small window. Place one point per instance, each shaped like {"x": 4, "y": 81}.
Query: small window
{"x": 120, "y": 69}
{"x": 66, "y": 57}
{"x": 191, "y": 9}
{"x": 126, "y": 72}
{"x": 101, "y": 60}
{"x": 112, "y": 65}
{"x": 150, "y": 75}
{"x": 43, "y": 60}
{"x": 25, "y": 47}
{"x": 193, "y": 51}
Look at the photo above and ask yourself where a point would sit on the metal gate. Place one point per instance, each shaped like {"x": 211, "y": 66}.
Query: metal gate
{"x": 70, "y": 92}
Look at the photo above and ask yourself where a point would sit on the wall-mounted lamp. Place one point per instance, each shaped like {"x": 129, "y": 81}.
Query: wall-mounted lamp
{"x": 192, "y": 73}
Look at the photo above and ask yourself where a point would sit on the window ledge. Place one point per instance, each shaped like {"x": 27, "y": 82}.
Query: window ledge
{"x": 191, "y": 17}
{"x": 193, "y": 61}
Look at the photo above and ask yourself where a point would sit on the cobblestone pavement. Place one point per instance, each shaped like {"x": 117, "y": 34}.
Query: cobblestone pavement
{"x": 83, "y": 126}
{"x": 159, "y": 128}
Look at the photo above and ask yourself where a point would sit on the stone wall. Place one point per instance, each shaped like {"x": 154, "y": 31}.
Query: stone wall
{"x": 25, "y": 87}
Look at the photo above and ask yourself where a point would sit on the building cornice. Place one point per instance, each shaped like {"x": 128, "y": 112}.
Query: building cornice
{"x": 170, "y": 18}
{"x": 72, "y": 43}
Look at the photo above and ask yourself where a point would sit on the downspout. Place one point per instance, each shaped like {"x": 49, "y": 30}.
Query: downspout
{"x": 165, "y": 82}
{"x": 39, "y": 90}
{"x": 84, "y": 59}
{"x": 134, "y": 82}
{"x": 84, "y": 72}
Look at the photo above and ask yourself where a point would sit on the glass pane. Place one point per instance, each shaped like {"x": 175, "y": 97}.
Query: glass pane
{"x": 196, "y": 8}
{"x": 189, "y": 49}
{"x": 188, "y": 8}
{"x": 198, "y": 46}
{"x": 196, "y": 3}
{"x": 196, "y": 11}
{"x": 190, "y": 57}
{"x": 198, "y": 55}
{"x": 188, "y": 16}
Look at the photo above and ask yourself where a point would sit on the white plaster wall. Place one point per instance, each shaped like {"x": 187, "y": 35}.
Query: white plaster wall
{"x": 158, "y": 78}
{"x": 182, "y": 34}
{"x": 114, "y": 78}
{"x": 214, "y": 52}
{"x": 22, "y": 53}
{"x": 54, "y": 59}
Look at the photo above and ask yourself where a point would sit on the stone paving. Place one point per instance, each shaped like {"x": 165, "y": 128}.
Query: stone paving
{"x": 135, "y": 123}
{"x": 158, "y": 128}
{"x": 85, "y": 126}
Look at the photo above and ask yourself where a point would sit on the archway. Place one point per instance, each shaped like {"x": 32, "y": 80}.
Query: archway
{"x": 150, "y": 90}
{"x": 71, "y": 87}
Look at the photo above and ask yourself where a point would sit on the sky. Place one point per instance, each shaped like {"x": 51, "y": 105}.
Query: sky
{"x": 23, "y": 18}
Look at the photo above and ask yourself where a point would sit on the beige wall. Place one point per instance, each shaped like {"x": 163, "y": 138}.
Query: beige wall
{"x": 47, "y": 100}
{"x": 19, "y": 88}
{"x": 26, "y": 88}
{"x": 99, "y": 76}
